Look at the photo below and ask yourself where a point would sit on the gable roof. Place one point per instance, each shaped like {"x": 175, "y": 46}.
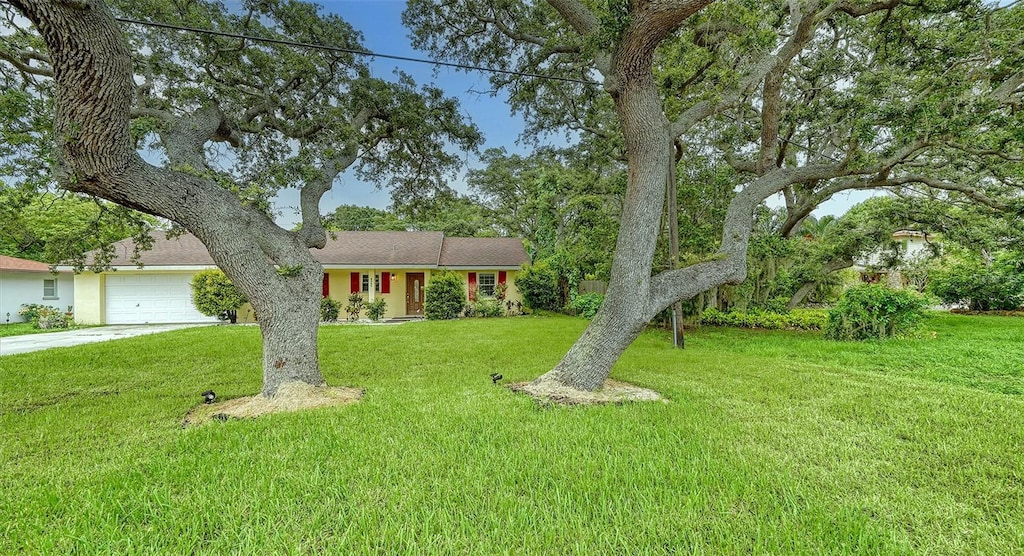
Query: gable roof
{"x": 352, "y": 249}
{"x": 22, "y": 265}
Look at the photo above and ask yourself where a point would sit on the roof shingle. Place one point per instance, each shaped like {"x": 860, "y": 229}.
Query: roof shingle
{"x": 365, "y": 249}
{"x": 22, "y": 265}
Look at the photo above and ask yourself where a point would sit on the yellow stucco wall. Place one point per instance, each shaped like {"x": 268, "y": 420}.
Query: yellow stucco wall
{"x": 89, "y": 298}
{"x": 339, "y": 286}
{"x": 512, "y": 294}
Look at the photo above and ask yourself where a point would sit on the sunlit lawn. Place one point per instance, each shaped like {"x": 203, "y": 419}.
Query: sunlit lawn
{"x": 22, "y": 328}
{"x": 773, "y": 442}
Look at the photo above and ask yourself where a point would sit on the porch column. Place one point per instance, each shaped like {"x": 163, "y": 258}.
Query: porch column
{"x": 373, "y": 283}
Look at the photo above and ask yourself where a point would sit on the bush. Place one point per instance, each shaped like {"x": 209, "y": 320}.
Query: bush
{"x": 444, "y": 297}
{"x": 329, "y": 309}
{"x": 486, "y": 308}
{"x": 586, "y": 305}
{"x": 46, "y": 316}
{"x": 215, "y": 295}
{"x": 982, "y": 288}
{"x": 872, "y": 311}
{"x": 354, "y": 307}
{"x": 794, "y": 320}
{"x": 376, "y": 309}
{"x": 539, "y": 286}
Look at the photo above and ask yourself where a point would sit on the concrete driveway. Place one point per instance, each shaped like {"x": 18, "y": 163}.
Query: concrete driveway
{"x": 12, "y": 345}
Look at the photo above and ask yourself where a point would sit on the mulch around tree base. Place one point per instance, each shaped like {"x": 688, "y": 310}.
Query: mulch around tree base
{"x": 290, "y": 397}
{"x": 612, "y": 392}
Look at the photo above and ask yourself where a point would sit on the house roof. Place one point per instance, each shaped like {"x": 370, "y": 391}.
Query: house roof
{"x": 381, "y": 249}
{"x": 351, "y": 249}
{"x": 482, "y": 251}
{"x": 910, "y": 233}
{"x": 22, "y": 265}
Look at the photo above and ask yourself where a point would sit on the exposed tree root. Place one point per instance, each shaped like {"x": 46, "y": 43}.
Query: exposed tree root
{"x": 612, "y": 392}
{"x": 294, "y": 396}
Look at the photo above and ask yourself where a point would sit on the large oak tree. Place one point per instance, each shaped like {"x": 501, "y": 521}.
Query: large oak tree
{"x": 232, "y": 120}
{"x": 803, "y": 98}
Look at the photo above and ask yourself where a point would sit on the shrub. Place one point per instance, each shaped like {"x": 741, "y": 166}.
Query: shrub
{"x": 500, "y": 291}
{"x": 354, "y": 307}
{"x": 539, "y": 285}
{"x": 46, "y": 316}
{"x": 794, "y": 320}
{"x": 329, "y": 309}
{"x": 981, "y": 287}
{"x": 874, "y": 311}
{"x": 444, "y": 297}
{"x": 586, "y": 305}
{"x": 376, "y": 309}
{"x": 487, "y": 308}
{"x": 215, "y": 295}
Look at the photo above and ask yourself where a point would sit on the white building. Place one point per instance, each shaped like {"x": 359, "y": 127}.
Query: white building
{"x": 24, "y": 282}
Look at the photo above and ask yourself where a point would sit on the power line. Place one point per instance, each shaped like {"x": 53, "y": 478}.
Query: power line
{"x": 354, "y": 51}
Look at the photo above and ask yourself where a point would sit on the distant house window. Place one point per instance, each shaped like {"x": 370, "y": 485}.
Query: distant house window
{"x": 366, "y": 283}
{"x": 49, "y": 288}
{"x": 485, "y": 284}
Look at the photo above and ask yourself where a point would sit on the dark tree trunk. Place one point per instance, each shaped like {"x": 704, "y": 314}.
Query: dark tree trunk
{"x": 801, "y": 294}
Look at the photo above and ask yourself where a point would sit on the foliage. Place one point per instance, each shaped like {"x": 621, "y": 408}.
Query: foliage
{"x": 46, "y": 316}
{"x": 354, "y": 307}
{"x": 444, "y": 296}
{"x": 538, "y": 284}
{"x": 873, "y": 311}
{"x": 500, "y": 291}
{"x": 805, "y": 319}
{"x": 375, "y": 309}
{"x": 485, "y": 308}
{"x": 586, "y": 305}
{"x": 356, "y": 218}
{"x": 982, "y": 287}
{"x": 60, "y": 228}
{"x": 561, "y": 202}
{"x": 214, "y": 295}
{"x": 329, "y": 309}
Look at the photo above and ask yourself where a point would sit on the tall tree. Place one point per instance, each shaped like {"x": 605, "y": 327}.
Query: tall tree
{"x": 801, "y": 97}
{"x": 290, "y": 118}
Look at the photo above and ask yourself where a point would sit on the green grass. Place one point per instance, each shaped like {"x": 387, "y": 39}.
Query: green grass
{"x": 773, "y": 442}
{"x": 22, "y": 328}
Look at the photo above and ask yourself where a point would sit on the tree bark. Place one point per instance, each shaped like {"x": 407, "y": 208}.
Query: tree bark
{"x": 626, "y": 308}
{"x": 93, "y": 95}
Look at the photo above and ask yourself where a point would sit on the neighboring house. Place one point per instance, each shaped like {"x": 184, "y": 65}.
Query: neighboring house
{"x": 914, "y": 246}
{"x": 394, "y": 266}
{"x": 24, "y": 282}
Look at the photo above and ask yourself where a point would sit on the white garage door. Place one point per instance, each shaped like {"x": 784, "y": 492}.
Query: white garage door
{"x": 151, "y": 298}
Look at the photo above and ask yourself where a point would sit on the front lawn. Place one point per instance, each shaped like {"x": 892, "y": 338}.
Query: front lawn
{"x": 22, "y": 328}
{"x": 773, "y": 442}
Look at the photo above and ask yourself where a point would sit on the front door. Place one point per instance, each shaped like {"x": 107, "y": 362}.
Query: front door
{"x": 414, "y": 293}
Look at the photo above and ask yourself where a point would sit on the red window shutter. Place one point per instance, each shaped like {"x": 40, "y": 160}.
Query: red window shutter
{"x": 472, "y": 286}
{"x": 327, "y": 285}
{"x": 385, "y": 282}
{"x": 355, "y": 283}
{"x": 502, "y": 276}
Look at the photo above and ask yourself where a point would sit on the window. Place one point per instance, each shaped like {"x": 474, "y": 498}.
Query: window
{"x": 485, "y": 284}
{"x": 49, "y": 288}
{"x": 366, "y": 283}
